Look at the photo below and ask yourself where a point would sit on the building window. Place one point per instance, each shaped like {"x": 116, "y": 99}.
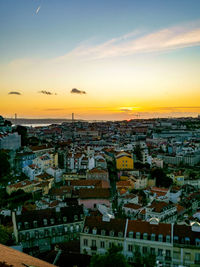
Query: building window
{"x": 168, "y": 253}
{"x": 52, "y": 221}
{"x": 65, "y": 219}
{"x": 93, "y": 243}
{"x": 130, "y": 234}
{"x": 138, "y": 235}
{"x": 144, "y": 250}
{"x": 94, "y": 231}
{"x": 175, "y": 239}
{"x": 103, "y": 232}
{"x": 102, "y": 244}
{"x": 197, "y": 258}
{"x": 153, "y": 236}
{"x": 187, "y": 256}
{"x": 120, "y": 234}
{"x": 111, "y": 244}
{"x": 130, "y": 248}
{"x": 160, "y": 252}
{"x": 36, "y": 234}
{"x": 176, "y": 255}
{"x": 187, "y": 240}
{"x": 111, "y": 233}
{"x": 45, "y": 222}
{"x": 197, "y": 241}
{"x": 160, "y": 238}
{"x": 86, "y": 230}
{"x": 145, "y": 235}
{"x": 168, "y": 238}
{"x": 153, "y": 251}
{"x": 26, "y": 224}
{"x": 35, "y": 224}
{"x": 85, "y": 242}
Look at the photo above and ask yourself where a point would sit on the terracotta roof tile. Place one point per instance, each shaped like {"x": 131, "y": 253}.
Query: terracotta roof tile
{"x": 20, "y": 259}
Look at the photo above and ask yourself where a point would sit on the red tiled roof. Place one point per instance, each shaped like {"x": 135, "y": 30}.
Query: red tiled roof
{"x": 116, "y": 225}
{"x": 146, "y": 227}
{"x": 19, "y": 259}
{"x": 132, "y": 206}
{"x": 158, "y": 206}
{"x": 96, "y": 193}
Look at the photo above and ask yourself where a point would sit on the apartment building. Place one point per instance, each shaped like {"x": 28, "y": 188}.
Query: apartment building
{"x": 173, "y": 244}
{"x": 40, "y": 230}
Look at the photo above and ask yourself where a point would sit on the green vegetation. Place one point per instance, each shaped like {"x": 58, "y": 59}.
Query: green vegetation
{"x": 113, "y": 257}
{"x": 4, "y": 165}
{"x": 161, "y": 178}
{"x": 5, "y": 235}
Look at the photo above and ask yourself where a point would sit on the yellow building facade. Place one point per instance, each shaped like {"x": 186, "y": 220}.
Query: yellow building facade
{"x": 124, "y": 161}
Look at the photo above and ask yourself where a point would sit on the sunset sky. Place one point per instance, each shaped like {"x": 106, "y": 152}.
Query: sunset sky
{"x": 101, "y": 59}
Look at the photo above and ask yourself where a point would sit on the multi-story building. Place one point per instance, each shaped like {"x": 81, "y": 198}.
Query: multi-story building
{"x": 11, "y": 141}
{"x": 161, "y": 211}
{"x": 124, "y": 161}
{"x": 42, "y": 229}
{"x": 172, "y": 244}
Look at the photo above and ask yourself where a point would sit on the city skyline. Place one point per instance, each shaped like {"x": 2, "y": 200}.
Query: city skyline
{"x": 101, "y": 60}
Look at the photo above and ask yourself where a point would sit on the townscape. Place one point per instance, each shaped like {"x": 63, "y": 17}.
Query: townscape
{"x": 74, "y": 190}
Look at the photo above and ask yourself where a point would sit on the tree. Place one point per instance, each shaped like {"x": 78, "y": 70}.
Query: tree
{"x": 4, "y": 235}
{"x": 23, "y": 132}
{"x": 4, "y": 164}
{"x": 138, "y": 152}
{"x": 113, "y": 257}
{"x": 161, "y": 179}
{"x": 141, "y": 260}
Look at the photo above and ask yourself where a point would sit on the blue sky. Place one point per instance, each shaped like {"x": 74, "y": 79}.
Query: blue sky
{"x": 61, "y": 24}
{"x": 127, "y": 55}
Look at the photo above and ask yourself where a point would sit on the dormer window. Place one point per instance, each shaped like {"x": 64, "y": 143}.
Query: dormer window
{"x": 35, "y": 224}
{"x": 64, "y": 219}
{"x": 187, "y": 240}
{"x": 103, "y": 232}
{"x": 120, "y": 234}
{"x": 168, "y": 238}
{"x": 94, "y": 231}
{"x": 75, "y": 217}
{"x": 175, "y": 239}
{"x": 160, "y": 238}
{"x": 153, "y": 237}
{"x": 86, "y": 230}
{"x": 197, "y": 242}
{"x": 145, "y": 236}
{"x": 111, "y": 233}
{"x": 52, "y": 221}
{"x": 81, "y": 216}
{"x": 130, "y": 234}
{"x": 138, "y": 235}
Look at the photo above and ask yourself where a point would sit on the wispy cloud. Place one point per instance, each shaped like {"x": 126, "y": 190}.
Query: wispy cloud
{"x": 77, "y": 91}
{"x": 132, "y": 43}
{"x": 44, "y": 92}
{"x": 37, "y": 10}
{"x": 14, "y": 93}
